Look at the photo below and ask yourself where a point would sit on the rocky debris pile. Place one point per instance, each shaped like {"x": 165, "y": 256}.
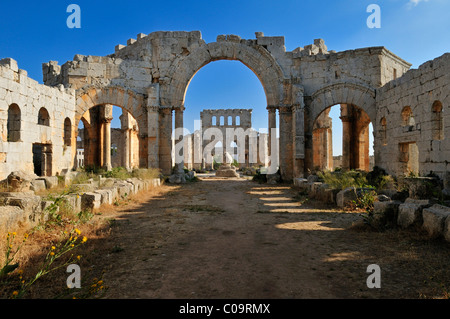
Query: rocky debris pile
{"x": 227, "y": 170}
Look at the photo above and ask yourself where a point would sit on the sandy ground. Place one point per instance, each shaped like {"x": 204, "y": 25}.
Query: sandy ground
{"x": 234, "y": 238}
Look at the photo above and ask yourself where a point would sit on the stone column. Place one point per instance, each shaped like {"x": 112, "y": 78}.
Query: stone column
{"x": 165, "y": 140}
{"x": 125, "y": 147}
{"x": 179, "y": 139}
{"x": 286, "y": 144}
{"x": 347, "y": 129}
{"x": 299, "y": 142}
{"x": 272, "y": 125}
{"x": 153, "y": 106}
{"x": 107, "y": 143}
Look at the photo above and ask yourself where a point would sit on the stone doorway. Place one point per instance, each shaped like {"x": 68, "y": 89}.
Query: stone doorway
{"x": 42, "y": 159}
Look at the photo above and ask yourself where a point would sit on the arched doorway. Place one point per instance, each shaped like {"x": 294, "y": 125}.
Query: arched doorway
{"x": 108, "y": 137}
{"x": 266, "y": 69}
{"x": 343, "y": 139}
{"x": 226, "y": 96}
{"x": 94, "y": 117}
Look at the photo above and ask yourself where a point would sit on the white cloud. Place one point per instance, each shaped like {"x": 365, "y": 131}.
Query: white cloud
{"x": 416, "y": 2}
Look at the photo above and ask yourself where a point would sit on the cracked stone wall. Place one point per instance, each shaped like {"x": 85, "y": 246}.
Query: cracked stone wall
{"x": 414, "y": 121}
{"x": 28, "y": 98}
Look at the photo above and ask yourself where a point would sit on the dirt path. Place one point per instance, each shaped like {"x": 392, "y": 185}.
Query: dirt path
{"x": 234, "y": 238}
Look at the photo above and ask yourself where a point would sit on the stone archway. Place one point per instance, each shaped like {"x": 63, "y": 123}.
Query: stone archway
{"x": 255, "y": 57}
{"x": 276, "y": 87}
{"x": 344, "y": 93}
{"x": 130, "y": 101}
{"x": 358, "y": 110}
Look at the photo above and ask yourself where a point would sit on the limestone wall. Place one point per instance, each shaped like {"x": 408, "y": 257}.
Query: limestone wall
{"x": 16, "y": 88}
{"x": 415, "y": 138}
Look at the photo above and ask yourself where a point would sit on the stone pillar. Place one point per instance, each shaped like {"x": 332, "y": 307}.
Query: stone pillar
{"x": 126, "y": 149}
{"x": 165, "y": 140}
{"x": 286, "y": 144}
{"x": 299, "y": 142}
{"x": 107, "y": 143}
{"x": 153, "y": 105}
{"x": 272, "y": 125}
{"x": 347, "y": 129}
{"x": 126, "y": 139}
{"x": 106, "y": 118}
{"x": 179, "y": 139}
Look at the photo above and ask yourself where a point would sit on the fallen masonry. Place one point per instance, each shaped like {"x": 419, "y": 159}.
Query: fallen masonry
{"x": 26, "y": 209}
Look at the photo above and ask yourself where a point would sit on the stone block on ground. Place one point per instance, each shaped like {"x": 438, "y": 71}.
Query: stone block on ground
{"x": 20, "y": 180}
{"x": 410, "y": 212}
{"x": 227, "y": 171}
{"x": 434, "y": 219}
{"x": 50, "y": 181}
{"x": 11, "y": 217}
{"x": 90, "y": 201}
{"x": 385, "y": 213}
{"x": 106, "y": 196}
{"x": 38, "y": 185}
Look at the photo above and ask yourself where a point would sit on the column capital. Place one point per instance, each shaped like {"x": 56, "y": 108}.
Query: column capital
{"x": 152, "y": 108}
{"x": 107, "y": 120}
{"x": 345, "y": 118}
{"x": 271, "y": 109}
{"x": 179, "y": 108}
{"x": 297, "y": 107}
{"x": 165, "y": 110}
{"x": 285, "y": 108}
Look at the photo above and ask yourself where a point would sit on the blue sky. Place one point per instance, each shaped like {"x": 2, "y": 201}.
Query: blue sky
{"x": 33, "y": 32}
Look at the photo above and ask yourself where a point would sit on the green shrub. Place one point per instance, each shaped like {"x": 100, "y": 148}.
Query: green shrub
{"x": 118, "y": 172}
{"x": 342, "y": 180}
{"x": 146, "y": 173}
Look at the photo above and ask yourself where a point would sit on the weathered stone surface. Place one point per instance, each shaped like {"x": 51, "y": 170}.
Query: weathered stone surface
{"x": 38, "y": 185}
{"x": 11, "y": 217}
{"x": 81, "y": 188}
{"x": 90, "y": 201}
{"x": 227, "y": 171}
{"x": 106, "y": 196}
{"x": 434, "y": 219}
{"x": 50, "y": 181}
{"x": 20, "y": 180}
{"x": 177, "y": 179}
{"x": 410, "y": 212}
{"x": 385, "y": 213}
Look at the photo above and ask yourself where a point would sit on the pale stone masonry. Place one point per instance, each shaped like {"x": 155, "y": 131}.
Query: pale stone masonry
{"x": 148, "y": 79}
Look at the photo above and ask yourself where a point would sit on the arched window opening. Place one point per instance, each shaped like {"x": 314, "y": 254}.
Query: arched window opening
{"x": 407, "y": 117}
{"x": 383, "y": 131}
{"x": 43, "y": 117}
{"x": 437, "y": 121}
{"x": 13, "y": 123}
{"x": 67, "y": 132}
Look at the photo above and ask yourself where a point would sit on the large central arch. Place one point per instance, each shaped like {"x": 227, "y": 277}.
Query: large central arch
{"x": 255, "y": 57}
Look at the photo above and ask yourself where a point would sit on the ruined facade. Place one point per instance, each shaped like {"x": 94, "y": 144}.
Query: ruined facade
{"x": 148, "y": 78}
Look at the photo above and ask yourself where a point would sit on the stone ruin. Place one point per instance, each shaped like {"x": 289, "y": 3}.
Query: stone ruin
{"x": 148, "y": 78}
